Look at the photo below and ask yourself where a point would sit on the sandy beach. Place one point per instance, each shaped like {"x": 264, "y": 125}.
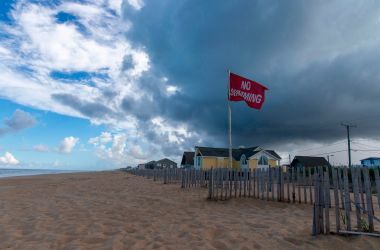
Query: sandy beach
{"x": 115, "y": 210}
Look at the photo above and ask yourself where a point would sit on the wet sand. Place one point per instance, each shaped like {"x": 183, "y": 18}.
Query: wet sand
{"x": 115, "y": 210}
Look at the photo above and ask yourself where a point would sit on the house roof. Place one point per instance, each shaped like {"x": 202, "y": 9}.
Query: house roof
{"x": 150, "y": 162}
{"x": 167, "y": 161}
{"x": 310, "y": 161}
{"x": 236, "y": 152}
{"x": 371, "y": 158}
{"x": 272, "y": 152}
{"x": 188, "y": 158}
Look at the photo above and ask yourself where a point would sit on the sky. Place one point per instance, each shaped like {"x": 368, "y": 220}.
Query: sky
{"x": 94, "y": 85}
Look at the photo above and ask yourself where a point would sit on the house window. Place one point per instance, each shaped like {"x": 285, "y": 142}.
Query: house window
{"x": 243, "y": 160}
{"x": 198, "y": 161}
{"x": 263, "y": 160}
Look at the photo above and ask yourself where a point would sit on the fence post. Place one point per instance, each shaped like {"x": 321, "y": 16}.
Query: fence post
{"x": 273, "y": 173}
{"x": 288, "y": 176}
{"x": 361, "y": 189}
{"x": 304, "y": 184}
{"x": 347, "y": 202}
{"x": 377, "y": 180}
{"x": 356, "y": 195}
{"x": 299, "y": 184}
{"x": 322, "y": 199}
{"x": 310, "y": 186}
{"x": 165, "y": 176}
{"x": 316, "y": 210}
{"x": 258, "y": 182}
{"x": 327, "y": 201}
{"x": 336, "y": 198}
{"x": 267, "y": 178}
{"x": 182, "y": 181}
{"x": 367, "y": 184}
{"x": 210, "y": 185}
{"x": 254, "y": 182}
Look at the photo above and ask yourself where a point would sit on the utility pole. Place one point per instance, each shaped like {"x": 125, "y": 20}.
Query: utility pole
{"x": 328, "y": 158}
{"x": 348, "y": 126}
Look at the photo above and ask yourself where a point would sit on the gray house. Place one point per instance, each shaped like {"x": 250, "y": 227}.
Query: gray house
{"x": 166, "y": 163}
{"x": 309, "y": 162}
{"x": 187, "y": 160}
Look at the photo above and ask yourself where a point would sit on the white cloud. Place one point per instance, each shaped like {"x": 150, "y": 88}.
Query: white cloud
{"x": 175, "y": 133}
{"x": 137, "y": 152}
{"x": 172, "y": 90}
{"x": 104, "y": 138}
{"x": 18, "y": 121}
{"x": 41, "y": 148}
{"x": 115, "y": 5}
{"x": 8, "y": 159}
{"x": 120, "y": 151}
{"x": 116, "y": 151}
{"x": 42, "y": 45}
{"x": 37, "y": 44}
{"x": 118, "y": 145}
{"x": 137, "y": 4}
{"x": 68, "y": 144}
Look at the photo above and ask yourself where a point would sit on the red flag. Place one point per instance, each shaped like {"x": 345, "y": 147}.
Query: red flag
{"x": 243, "y": 89}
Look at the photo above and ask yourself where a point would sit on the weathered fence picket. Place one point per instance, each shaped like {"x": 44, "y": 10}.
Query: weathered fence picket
{"x": 377, "y": 181}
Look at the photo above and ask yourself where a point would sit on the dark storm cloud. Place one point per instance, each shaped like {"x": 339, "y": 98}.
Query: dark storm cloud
{"x": 18, "y": 121}
{"x": 89, "y": 109}
{"x": 319, "y": 60}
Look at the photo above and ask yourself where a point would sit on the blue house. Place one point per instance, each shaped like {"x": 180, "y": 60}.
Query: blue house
{"x": 370, "y": 162}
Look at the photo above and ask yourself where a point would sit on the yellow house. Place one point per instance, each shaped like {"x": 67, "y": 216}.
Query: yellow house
{"x": 242, "y": 158}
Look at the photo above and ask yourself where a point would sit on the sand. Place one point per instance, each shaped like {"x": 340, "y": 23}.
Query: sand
{"x": 115, "y": 210}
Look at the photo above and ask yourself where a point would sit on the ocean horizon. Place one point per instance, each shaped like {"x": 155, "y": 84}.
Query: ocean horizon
{"x": 8, "y": 172}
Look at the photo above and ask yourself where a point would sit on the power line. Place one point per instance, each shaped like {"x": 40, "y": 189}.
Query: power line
{"x": 367, "y": 150}
{"x": 366, "y": 145}
{"x": 328, "y": 145}
{"x": 364, "y": 139}
{"x": 329, "y": 152}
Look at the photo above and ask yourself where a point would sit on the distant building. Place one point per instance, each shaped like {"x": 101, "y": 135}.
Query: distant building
{"x": 242, "y": 158}
{"x": 370, "y": 162}
{"x": 166, "y": 163}
{"x": 187, "y": 160}
{"x": 309, "y": 162}
{"x": 150, "y": 165}
{"x": 163, "y": 163}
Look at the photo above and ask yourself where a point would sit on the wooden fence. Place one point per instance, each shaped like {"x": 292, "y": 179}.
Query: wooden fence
{"x": 167, "y": 175}
{"x": 271, "y": 184}
{"x": 347, "y": 201}
{"x": 337, "y": 195}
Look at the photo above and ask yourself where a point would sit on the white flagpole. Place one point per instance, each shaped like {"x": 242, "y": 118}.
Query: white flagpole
{"x": 229, "y": 122}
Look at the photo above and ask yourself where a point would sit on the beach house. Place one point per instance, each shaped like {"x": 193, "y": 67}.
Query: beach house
{"x": 187, "y": 160}
{"x": 242, "y": 158}
{"x": 309, "y": 162}
{"x": 370, "y": 162}
{"x": 163, "y": 163}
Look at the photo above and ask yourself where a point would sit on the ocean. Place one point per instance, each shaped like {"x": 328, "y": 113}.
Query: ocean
{"x": 26, "y": 172}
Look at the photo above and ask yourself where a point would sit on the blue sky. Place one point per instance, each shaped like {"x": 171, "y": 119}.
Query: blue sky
{"x": 38, "y": 146}
{"x": 111, "y": 83}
